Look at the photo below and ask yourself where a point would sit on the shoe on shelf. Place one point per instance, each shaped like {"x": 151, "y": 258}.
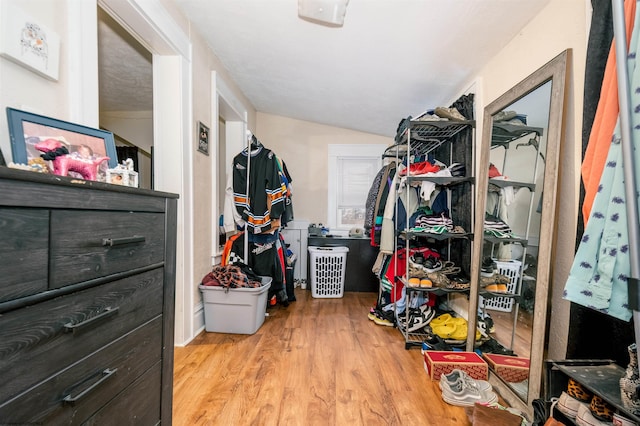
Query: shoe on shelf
{"x": 488, "y": 267}
{"x": 427, "y": 167}
{"x": 439, "y": 279}
{"x": 418, "y": 318}
{"x": 443, "y": 330}
{"x": 585, "y": 417}
{"x": 568, "y": 405}
{"x": 497, "y": 288}
{"x": 457, "y": 170}
{"x": 441, "y": 320}
{"x": 579, "y": 392}
{"x": 601, "y": 409}
{"x": 431, "y": 264}
{"x": 417, "y": 258}
{"x": 493, "y": 171}
{"x": 457, "y": 375}
{"x": 413, "y": 282}
{"x": 450, "y": 113}
{"x": 504, "y": 115}
{"x": 426, "y": 283}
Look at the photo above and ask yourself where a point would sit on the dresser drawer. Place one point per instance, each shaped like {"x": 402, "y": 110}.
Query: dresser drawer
{"x": 24, "y": 252}
{"x": 93, "y": 244}
{"x": 139, "y": 404}
{"x": 79, "y": 391}
{"x": 37, "y": 341}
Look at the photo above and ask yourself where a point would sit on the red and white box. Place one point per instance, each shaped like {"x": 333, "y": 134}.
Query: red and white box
{"x": 511, "y": 368}
{"x": 437, "y": 363}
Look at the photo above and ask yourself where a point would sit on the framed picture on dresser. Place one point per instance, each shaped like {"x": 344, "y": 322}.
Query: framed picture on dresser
{"x": 34, "y": 136}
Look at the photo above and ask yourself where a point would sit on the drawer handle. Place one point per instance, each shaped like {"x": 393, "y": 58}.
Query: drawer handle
{"x": 70, "y": 327}
{"x": 105, "y": 375}
{"x": 120, "y": 241}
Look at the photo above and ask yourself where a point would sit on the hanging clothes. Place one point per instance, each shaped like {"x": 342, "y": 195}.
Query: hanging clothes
{"x": 407, "y": 201}
{"x": 372, "y": 196}
{"x": 598, "y": 47}
{"x": 604, "y": 122}
{"x": 381, "y": 203}
{"x": 262, "y": 207}
{"x": 598, "y": 277}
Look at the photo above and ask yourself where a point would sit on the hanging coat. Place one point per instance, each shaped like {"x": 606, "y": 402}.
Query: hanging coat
{"x": 598, "y": 277}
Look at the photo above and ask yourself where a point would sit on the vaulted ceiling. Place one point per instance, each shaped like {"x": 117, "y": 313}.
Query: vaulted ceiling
{"x": 390, "y": 59}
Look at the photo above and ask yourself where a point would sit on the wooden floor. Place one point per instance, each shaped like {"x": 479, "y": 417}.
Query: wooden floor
{"x": 316, "y": 362}
{"x": 503, "y": 322}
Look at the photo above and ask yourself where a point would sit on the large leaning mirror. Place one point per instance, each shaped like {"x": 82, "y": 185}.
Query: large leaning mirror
{"x": 514, "y": 227}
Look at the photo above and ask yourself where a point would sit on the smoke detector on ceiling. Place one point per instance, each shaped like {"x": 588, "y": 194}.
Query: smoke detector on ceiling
{"x": 325, "y": 12}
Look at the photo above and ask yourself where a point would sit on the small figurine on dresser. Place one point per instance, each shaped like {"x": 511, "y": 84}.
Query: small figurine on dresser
{"x": 123, "y": 174}
{"x": 83, "y": 163}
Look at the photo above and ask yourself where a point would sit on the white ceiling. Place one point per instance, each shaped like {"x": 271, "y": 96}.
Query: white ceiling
{"x": 390, "y": 59}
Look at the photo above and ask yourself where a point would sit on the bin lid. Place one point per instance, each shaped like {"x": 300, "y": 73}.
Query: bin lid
{"x": 332, "y": 249}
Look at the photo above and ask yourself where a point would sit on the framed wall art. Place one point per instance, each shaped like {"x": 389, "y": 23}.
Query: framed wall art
{"x": 27, "y": 42}
{"x": 36, "y": 139}
{"x": 203, "y": 138}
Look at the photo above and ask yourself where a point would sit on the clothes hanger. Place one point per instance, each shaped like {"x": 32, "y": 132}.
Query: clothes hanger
{"x": 255, "y": 143}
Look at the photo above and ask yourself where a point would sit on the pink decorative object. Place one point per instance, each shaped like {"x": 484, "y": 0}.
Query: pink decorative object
{"x": 63, "y": 162}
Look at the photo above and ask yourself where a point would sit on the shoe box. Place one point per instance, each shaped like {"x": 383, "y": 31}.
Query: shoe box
{"x": 437, "y": 363}
{"x": 510, "y": 368}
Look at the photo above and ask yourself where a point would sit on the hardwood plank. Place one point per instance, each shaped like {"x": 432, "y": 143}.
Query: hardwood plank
{"x": 315, "y": 362}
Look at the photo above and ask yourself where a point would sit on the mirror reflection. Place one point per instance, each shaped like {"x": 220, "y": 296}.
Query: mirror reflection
{"x": 512, "y": 232}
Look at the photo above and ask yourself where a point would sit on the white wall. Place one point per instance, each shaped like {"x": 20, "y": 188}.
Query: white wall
{"x": 26, "y": 90}
{"x": 303, "y": 146}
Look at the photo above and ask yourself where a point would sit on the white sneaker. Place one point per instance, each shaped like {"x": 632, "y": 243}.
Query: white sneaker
{"x": 585, "y": 418}
{"x": 568, "y": 405}
{"x": 461, "y": 393}
{"x": 446, "y": 380}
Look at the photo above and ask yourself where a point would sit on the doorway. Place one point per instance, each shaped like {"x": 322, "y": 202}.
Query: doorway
{"x": 125, "y": 75}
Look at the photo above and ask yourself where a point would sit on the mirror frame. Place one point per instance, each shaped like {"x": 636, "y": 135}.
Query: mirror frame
{"x": 555, "y": 71}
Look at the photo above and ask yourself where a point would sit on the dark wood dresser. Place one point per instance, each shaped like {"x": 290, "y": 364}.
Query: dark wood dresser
{"x": 87, "y": 283}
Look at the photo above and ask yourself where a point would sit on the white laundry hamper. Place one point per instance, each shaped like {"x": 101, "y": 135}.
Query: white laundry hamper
{"x": 328, "y": 267}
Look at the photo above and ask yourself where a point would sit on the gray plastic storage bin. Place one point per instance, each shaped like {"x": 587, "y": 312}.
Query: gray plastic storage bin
{"x": 235, "y": 310}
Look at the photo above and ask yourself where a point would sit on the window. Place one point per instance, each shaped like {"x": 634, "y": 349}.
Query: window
{"x": 352, "y": 169}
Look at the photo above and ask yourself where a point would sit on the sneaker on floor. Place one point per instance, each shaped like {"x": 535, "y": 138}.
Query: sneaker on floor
{"x": 492, "y": 346}
{"x": 372, "y": 314}
{"x": 485, "y": 317}
{"x": 436, "y": 344}
{"x": 385, "y": 318}
{"x": 448, "y": 380}
{"x": 465, "y": 395}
